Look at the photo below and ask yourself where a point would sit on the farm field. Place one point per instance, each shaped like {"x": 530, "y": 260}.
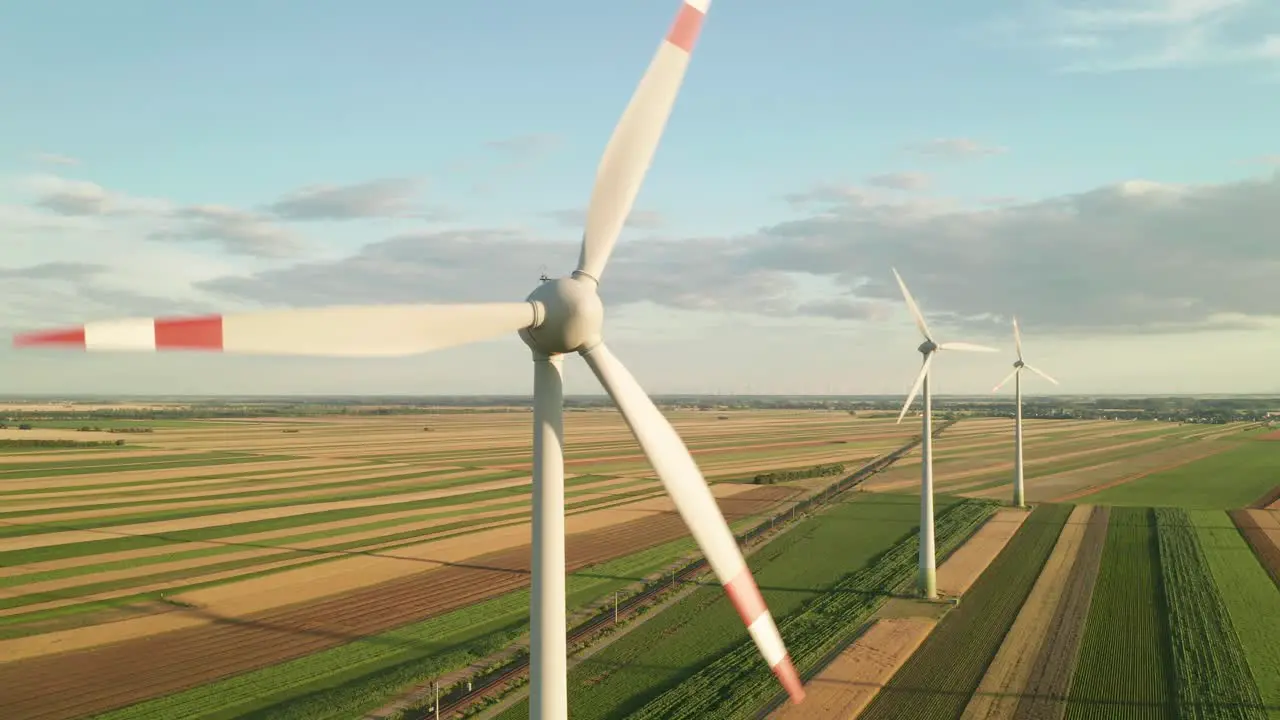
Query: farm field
{"x": 1137, "y": 612}
{"x": 693, "y": 660}
{"x": 252, "y": 543}
{"x": 278, "y": 566}
{"x": 1100, "y": 462}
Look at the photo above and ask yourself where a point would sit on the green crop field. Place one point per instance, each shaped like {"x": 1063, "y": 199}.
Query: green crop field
{"x": 1125, "y": 669}
{"x": 1232, "y": 479}
{"x": 1213, "y": 677}
{"x": 792, "y": 571}
{"x": 356, "y": 677}
{"x": 737, "y": 684}
{"x": 1248, "y": 593}
{"x": 938, "y": 680}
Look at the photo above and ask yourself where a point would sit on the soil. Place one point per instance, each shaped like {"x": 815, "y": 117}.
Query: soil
{"x": 963, "y": 567}
{"x": 998, "y": 693}
{"x": 851, "y": 682}
{"x": 74, "y": 684}
{"x": 1045, "y": 695}
{"x": 1262, "y": 529}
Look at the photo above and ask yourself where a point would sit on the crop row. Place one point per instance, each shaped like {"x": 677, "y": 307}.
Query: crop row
{"x": 1125, "y": 669}
{"x": 1214, "y": 680}
{"x": 738, "y": 683}
{"x": 939, "y": 678}
{"x": 791, "y": 570}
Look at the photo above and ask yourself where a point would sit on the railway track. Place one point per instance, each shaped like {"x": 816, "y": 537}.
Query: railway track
{"x": 462, "y": 696}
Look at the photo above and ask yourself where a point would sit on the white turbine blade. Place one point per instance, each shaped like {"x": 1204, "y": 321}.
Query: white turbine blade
{"x": 966, "y": 347}
{"x": 697, "y": 506}
{"x": 911, "y": 305}
{"x": 1042, "y": 374}
{"x": 924, "y": 370}
{"x": 1006, "y": 379}
{"x": 344, "y": 331}
{"x": 635, "y": 139}
{"x": 1017, "y": 338}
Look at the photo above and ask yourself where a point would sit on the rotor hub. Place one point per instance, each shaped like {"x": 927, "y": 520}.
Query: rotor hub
{"x": 927, "y": 347}
{"x": 1019, "y": 364}
{"x": 570, "y": 316}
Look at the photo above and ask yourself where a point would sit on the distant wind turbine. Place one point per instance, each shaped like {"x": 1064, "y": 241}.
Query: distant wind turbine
{"x": 1019, "y": 496}
{"x": 928, "y": 579}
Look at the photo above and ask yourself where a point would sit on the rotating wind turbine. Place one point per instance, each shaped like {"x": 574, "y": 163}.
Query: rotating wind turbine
{"x": 928, "y": 578}
{"x": 1019, "y": 497}
{"x": 560, "y": 316}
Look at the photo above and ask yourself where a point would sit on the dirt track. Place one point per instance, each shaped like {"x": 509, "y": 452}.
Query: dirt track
{"x": 78, "y": 684}
{"x": 847, "y": 686}
{"x": 962, "y": 569}
{"x": 996, "y": 697}
{"x": 1045, "y": 695}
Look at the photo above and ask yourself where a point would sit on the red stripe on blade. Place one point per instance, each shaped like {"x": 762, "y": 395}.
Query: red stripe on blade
{"x": 684, "y": 31}
{"x": 745, "y": 596}
{"x": 201, "y": 333}
{"x": 50, "y": 337}
{"x": 790, "y": 679}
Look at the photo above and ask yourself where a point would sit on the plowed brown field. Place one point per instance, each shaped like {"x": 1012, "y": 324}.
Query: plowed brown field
{"x": 78, "y": 684}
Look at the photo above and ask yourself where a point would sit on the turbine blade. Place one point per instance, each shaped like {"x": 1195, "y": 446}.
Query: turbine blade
{"x": 911, "y": 305}
{"x": 924, "y": 370}
{"x": 697, "y": 506}
{"x": 1042, "y": 374}
{"x": 1017, "y": 338}
{"x": 1006, "y": 379}
{"x": 966, "y": 347}
{"x": 343, "y": 331}
{"x": 635, "y": 139}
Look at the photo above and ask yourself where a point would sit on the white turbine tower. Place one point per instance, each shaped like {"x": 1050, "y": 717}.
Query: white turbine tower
{"x": 928, "y": 578}
{"x": 1019, "y": 496}
{"x": 560, "y": 316}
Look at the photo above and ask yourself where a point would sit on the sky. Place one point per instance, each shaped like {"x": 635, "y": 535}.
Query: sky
{"x": 1108, "y": 172}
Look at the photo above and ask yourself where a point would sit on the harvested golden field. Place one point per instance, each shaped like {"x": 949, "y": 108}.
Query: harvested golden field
{"x": 220, "y": 512}
{"x": 1062, "y": 460}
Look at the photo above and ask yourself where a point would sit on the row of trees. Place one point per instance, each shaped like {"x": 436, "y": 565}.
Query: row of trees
{"x": 778, "y": 476}
{"x": 46, "y": 442}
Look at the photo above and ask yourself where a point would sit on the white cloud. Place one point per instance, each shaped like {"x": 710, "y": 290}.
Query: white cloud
{"x": 386, "y": 198}
{"x": 238, "y": 232}
{"x": 1100, "y": 36}
{"x": 1183, "y": 265}
{"x": 954, "y": 148}
{"x": 56, "y": 159}
{"x": 907, "y": 181}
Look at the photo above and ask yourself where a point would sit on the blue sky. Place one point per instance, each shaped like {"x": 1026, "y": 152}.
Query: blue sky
{"x": 497, "y": 117}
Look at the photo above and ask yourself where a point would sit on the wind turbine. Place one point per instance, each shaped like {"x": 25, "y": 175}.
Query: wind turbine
{"x": 928, "y": 578}
{"x": 560, "y": 316}
{"x": 1019, "y": 497}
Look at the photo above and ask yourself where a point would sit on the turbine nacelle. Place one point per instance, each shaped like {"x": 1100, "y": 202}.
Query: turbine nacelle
{"x": 1018, "y": 363}
{"x": 568, "y": 316}
{"x": 927, "y": 347}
